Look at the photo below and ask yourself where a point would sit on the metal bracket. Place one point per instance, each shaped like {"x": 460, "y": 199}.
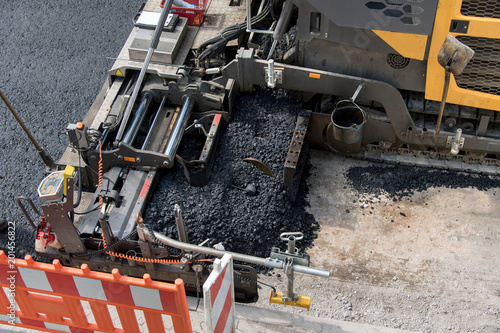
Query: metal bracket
{"x": 278, "y": 75}
{"x": 296, "y": 156}
{"x": 450, "y": 141}
{"x": 198, "y": 171}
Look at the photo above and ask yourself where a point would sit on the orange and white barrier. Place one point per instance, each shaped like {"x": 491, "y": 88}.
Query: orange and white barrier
{"x": 218, "y": 291}
{"x": 52, "y": 297}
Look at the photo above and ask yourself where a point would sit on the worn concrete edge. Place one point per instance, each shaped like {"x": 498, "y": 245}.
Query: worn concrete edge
{"x": 249, "y": 318}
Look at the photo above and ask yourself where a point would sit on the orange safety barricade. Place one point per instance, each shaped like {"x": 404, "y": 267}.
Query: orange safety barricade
{"x": 50, "y": 298}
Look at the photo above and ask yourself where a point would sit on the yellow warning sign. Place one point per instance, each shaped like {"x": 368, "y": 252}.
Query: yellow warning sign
{"x": 118, "y": 72}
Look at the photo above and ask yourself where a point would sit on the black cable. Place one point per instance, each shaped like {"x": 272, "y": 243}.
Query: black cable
{"x": 80, "y": 186}
{"x": 236, "y": 274}
{"x": 87, "y": 212}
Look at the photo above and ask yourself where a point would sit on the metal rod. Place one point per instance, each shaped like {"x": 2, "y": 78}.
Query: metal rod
{"x": 181, "y": 227}
{"x": 178, "y": 130}
{"x": 138, "y": 119}
{"x": 249, "y": 14}
{"x": 443, "y": 100}
{"x": 291, "y": 245}
{"x": 289, "y": 289}
{"x": 272, "y": 263}
{"x": 142, "y": 73}
{"x": 46, "y": 158}
{"x": 356, "y": 93}
{"x": 155, "y": 121}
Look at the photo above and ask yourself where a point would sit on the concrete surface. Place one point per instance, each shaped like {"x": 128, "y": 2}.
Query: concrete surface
{"x": 428, "y": 262}
{"x": 257, "y": 320}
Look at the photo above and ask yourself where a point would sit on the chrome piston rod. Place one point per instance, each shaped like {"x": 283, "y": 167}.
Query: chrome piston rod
{"x": 179, "y": 126}
{"x": 138, "y": 119}
{"x": 267, "y": 262}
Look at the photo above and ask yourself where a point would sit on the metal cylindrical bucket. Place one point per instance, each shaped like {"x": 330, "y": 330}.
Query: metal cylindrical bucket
{"x": 348, "y": 120}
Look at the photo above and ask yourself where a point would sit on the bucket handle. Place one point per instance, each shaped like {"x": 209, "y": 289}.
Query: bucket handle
{"x": 351, "y": 100}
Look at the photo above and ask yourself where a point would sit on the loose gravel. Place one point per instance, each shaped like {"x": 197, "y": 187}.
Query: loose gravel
{"x": 222, "y": 211}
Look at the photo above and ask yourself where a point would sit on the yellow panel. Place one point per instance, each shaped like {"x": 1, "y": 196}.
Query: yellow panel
{"x": 68, "y": 172}
{"x": 478, "y": 27}
{"x": 408, "y": 45}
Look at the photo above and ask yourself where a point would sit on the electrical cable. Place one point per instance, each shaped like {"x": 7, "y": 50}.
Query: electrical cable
{"x": 80, "y": 186}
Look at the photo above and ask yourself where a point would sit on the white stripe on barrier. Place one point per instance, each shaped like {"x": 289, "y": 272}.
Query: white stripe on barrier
{"x": 35, "y": 279}
{"x": 220, "y": 299}
{"x": 146, "y": 298}
{"x": 57, "y": 327}
{"x": 230, "y": 323}
{"x": 90, "y": 288}
{"x": 8, "y": 320}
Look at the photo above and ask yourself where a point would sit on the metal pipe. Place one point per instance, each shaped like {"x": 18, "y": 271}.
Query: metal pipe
{"x": 178, "y": 130}
{"x": 155, "y": 121}
{"x": 138, "y": 119}
{"x": 271, "y": 263}
{"x": 142, "y": 73}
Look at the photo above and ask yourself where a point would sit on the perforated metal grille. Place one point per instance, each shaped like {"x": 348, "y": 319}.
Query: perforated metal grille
{"x": 483, "y": 71}
{"x": 397, "y": 61}
{"x": 481, "y": 8}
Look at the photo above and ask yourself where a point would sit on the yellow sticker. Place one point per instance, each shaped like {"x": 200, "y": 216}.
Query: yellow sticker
{"x": 314, "y": 76}
{"x": 118, "y": 72}
{"x": 129, "y": 159}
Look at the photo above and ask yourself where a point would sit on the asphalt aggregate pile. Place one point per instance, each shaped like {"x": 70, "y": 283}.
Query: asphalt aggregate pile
{"x": 53, "y": 62}
{"x": 223, "y": 211}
